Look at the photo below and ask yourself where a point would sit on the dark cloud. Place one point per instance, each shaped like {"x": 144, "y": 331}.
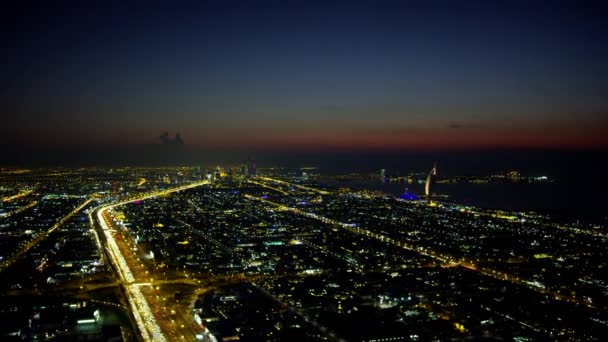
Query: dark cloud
{"x": 165, "y": 139}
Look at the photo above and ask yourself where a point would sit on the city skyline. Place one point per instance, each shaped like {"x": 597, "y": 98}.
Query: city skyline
{"x": 308, "y": 75}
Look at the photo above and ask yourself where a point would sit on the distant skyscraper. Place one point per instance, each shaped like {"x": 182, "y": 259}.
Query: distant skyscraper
{"x": 382, "y": 174}
{"x": 429, "y": 179}
{"x": 250, "y": 168}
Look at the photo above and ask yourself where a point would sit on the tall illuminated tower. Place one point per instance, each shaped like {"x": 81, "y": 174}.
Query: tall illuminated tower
{"x": 429, "y": 179}
{"x": 252, "y": 167}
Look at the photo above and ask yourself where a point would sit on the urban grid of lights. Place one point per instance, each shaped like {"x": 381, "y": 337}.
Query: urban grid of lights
{"x": 450, "y": 260}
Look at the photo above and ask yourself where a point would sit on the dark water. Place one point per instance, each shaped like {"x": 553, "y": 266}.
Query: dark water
{"x": 559, "y": 199}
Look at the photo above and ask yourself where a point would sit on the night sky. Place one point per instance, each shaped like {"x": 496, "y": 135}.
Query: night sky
{"x": 379, "y": 75}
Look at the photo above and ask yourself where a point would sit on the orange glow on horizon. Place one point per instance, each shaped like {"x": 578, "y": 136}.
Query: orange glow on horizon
{"x": 346, "y": 136}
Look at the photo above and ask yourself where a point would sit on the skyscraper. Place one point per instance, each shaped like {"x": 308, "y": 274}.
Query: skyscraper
{"x": 429, "y": 179}
{"x": 250, "y": 168}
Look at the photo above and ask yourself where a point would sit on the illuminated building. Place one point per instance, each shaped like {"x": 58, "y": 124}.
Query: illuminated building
{"x": 429, "y": 179}
{"x": 514, "y": 176}
{"x": 250, "y": 168}
{"x": 408, "y": 196}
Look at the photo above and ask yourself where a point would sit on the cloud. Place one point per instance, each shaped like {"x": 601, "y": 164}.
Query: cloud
{"x": 165, "y": 139}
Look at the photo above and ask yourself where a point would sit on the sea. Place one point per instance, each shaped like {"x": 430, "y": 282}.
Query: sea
{"x": 551, "y": 199}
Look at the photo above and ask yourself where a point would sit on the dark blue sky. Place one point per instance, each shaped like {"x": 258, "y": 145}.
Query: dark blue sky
{"x": 304, "y": 74}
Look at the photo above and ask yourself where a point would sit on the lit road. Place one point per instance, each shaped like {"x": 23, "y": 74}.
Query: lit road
{"x": 17, "y": 196}
{"x": 17, "y": 211}
{"x": 43, "y": 236}
{"x": 146, "y": 321}
{"x": 268, "y": 179}
{"x": 268, "y": 186}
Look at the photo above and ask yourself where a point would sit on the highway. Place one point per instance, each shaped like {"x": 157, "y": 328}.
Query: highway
{"x": 293, "y": 185}
{"x": 17, "y": 211}
{"x": 147, "y": 324}
{"x": 17, "y": 196}
{"x": 42, "y": 236}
